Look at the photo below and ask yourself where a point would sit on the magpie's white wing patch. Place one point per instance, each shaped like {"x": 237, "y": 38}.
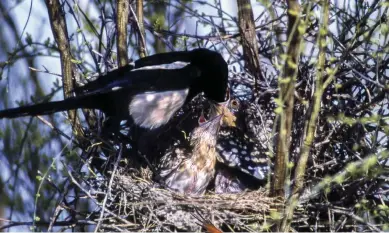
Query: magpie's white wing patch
{"x": 169, "y": 66}
{"x": 153, "y": 109}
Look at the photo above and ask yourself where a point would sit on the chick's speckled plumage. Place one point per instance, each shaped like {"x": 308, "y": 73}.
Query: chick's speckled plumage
{"x": 238, "y": 150}
{"x": 242, "y": 153}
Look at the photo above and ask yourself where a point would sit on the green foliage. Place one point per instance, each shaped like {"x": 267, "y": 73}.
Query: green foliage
{"x": 28, "y": 39}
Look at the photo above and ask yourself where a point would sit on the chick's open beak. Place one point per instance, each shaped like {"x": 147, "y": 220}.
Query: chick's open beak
{"x": 213, "y": 125}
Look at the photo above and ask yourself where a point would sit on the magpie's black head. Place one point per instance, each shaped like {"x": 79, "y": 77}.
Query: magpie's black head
{"x": 214, "y": 76}
{"x": 214, "y": 70}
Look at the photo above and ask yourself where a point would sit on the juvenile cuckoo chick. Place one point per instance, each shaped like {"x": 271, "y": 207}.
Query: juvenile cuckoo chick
{"x": 189, "y": 168}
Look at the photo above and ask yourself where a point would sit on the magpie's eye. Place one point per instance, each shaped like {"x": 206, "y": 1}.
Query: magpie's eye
{"x": 235, "y": 104}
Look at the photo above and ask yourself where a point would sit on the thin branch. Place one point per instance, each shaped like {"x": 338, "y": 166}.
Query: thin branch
{"x": 141, "y": 29}
{"x": 46, "y": 71}
{"x": 310, "y": 128}
{"x": 43, "y": 223}
{"x": 110, "y": 186}
{"x": 357, "y": 218}
{"x": 60, "y": 33}
{"x": 286, "y": 101}
{"x": 249, "y": 39}
{"x": 123, "y": 7}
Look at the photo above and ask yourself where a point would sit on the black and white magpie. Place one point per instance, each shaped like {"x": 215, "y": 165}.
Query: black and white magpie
{"x": 150, "y": 91}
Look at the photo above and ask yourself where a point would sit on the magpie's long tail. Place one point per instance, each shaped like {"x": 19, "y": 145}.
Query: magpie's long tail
{"x": 51, "y": 107}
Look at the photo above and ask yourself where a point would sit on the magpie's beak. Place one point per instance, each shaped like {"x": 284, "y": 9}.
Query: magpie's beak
{"x": 212, "y": 125}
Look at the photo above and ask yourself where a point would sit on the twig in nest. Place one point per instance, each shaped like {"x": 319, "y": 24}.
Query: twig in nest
{"x": 110, "y": 186}
{"x": 205, "y": 223}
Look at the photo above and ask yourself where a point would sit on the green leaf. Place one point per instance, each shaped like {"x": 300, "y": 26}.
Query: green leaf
{"x": 28, "y": 38}
{"x": 47, "y": 42}
{"x": 75, "y": 61}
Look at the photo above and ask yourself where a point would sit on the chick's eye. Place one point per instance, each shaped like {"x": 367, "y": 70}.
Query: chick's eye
{"x": 235, "y": 104}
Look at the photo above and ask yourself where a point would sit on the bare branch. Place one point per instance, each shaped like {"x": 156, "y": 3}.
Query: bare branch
{"x": 141, "y": 29}
{"x": 60, "y": 33}
{"x": 122, "y": 21}
{"x": 249, "y": 39}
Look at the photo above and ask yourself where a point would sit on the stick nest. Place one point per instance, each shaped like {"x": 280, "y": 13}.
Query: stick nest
{"x": 148, "y": 207}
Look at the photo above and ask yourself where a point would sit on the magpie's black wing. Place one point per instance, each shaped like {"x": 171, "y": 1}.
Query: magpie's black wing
{"x": 103, "y": 80}
{"x": 143, "y": 80}
{"x": 164, "y": 58}
{"x": 170, "y": 61}
{"x": 150, "y": 96}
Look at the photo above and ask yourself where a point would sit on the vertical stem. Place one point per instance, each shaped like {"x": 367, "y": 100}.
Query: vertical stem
{"x": 141, "y": 34}
{"x": 60, "y": 33}
{"x": 249, "y": 39}
{"x": 287, "y": 88}
{"x": 122, "y": 20}
{"x": 311, "y": 126}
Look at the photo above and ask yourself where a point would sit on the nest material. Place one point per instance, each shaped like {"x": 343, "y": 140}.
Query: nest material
{"x": 154, "y": 208}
